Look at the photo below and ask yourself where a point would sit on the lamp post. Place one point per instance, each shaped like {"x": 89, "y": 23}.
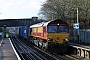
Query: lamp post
{"x": 78, "y": 26}
{"x": 77, "y": 15}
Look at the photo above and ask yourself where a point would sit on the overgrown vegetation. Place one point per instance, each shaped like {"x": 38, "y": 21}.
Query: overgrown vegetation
{"x": 66, "y": 10}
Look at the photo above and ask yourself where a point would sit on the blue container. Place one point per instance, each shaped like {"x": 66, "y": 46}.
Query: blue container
{"x": 24, "y": 30}
{"x": 25, "y": 34}
{"x": 21, "y": 31}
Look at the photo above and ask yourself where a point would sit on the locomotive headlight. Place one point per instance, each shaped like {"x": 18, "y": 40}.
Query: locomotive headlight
{"x": 65, "y": 39}
{"x": 50, "y": 39}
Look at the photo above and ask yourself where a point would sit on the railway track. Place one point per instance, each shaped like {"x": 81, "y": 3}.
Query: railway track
{"x": 29, "y": 52}
{"x": 58, "y": 56}
{"x": 55, "y": 55}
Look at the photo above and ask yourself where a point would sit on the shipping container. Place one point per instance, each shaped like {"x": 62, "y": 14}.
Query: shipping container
{"x": 25, "y": 33}
{"x": 24, "y": 30}
{"x": 21, "y": 31}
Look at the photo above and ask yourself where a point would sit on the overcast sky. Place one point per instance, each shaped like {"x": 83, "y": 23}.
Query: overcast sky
{"x": 19, "y": 8}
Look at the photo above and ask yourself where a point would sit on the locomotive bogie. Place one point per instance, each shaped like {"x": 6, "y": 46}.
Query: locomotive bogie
{"x": 36, "y": 42}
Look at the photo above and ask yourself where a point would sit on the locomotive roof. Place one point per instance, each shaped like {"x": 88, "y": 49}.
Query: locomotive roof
{"x": 40, "y": 24}
{"x": 46, "y": 23}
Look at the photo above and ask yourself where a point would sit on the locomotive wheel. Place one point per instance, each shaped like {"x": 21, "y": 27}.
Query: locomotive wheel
{"x": 37, "y": 43}
{"x": 45, "y": 46}
{"x": 40, "y": 44}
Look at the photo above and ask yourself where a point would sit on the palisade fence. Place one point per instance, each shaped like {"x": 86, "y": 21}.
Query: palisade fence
{"x": 84, "y": 36}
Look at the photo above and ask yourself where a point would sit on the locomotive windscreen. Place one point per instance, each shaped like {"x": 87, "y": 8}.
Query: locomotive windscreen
{"x": 63, "y": 29}
{"x": 52, "y": 29}
{"x": 57, "y": 29}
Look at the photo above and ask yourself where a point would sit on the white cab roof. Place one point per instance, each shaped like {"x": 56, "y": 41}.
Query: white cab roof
{"x": 41, "y": 24}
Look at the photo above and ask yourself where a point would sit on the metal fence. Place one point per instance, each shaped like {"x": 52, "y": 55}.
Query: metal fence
{"x": 84, "y": 36}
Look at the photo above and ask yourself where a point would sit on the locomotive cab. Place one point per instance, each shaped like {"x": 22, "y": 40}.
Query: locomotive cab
{"x": 58, "y": 33}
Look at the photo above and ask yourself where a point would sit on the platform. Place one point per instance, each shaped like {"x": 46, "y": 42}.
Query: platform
{"x": 81, "y": 50}
{"x": 6, "y": 50}
{"x": 85, "y": 47}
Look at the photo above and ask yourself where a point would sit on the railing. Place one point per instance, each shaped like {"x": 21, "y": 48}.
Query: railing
{"x": 84, "y": 36}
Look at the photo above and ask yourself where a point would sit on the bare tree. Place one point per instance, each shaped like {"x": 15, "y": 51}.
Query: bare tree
{"x": 53, "y": 9}
{"x": 66, "y": 10}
